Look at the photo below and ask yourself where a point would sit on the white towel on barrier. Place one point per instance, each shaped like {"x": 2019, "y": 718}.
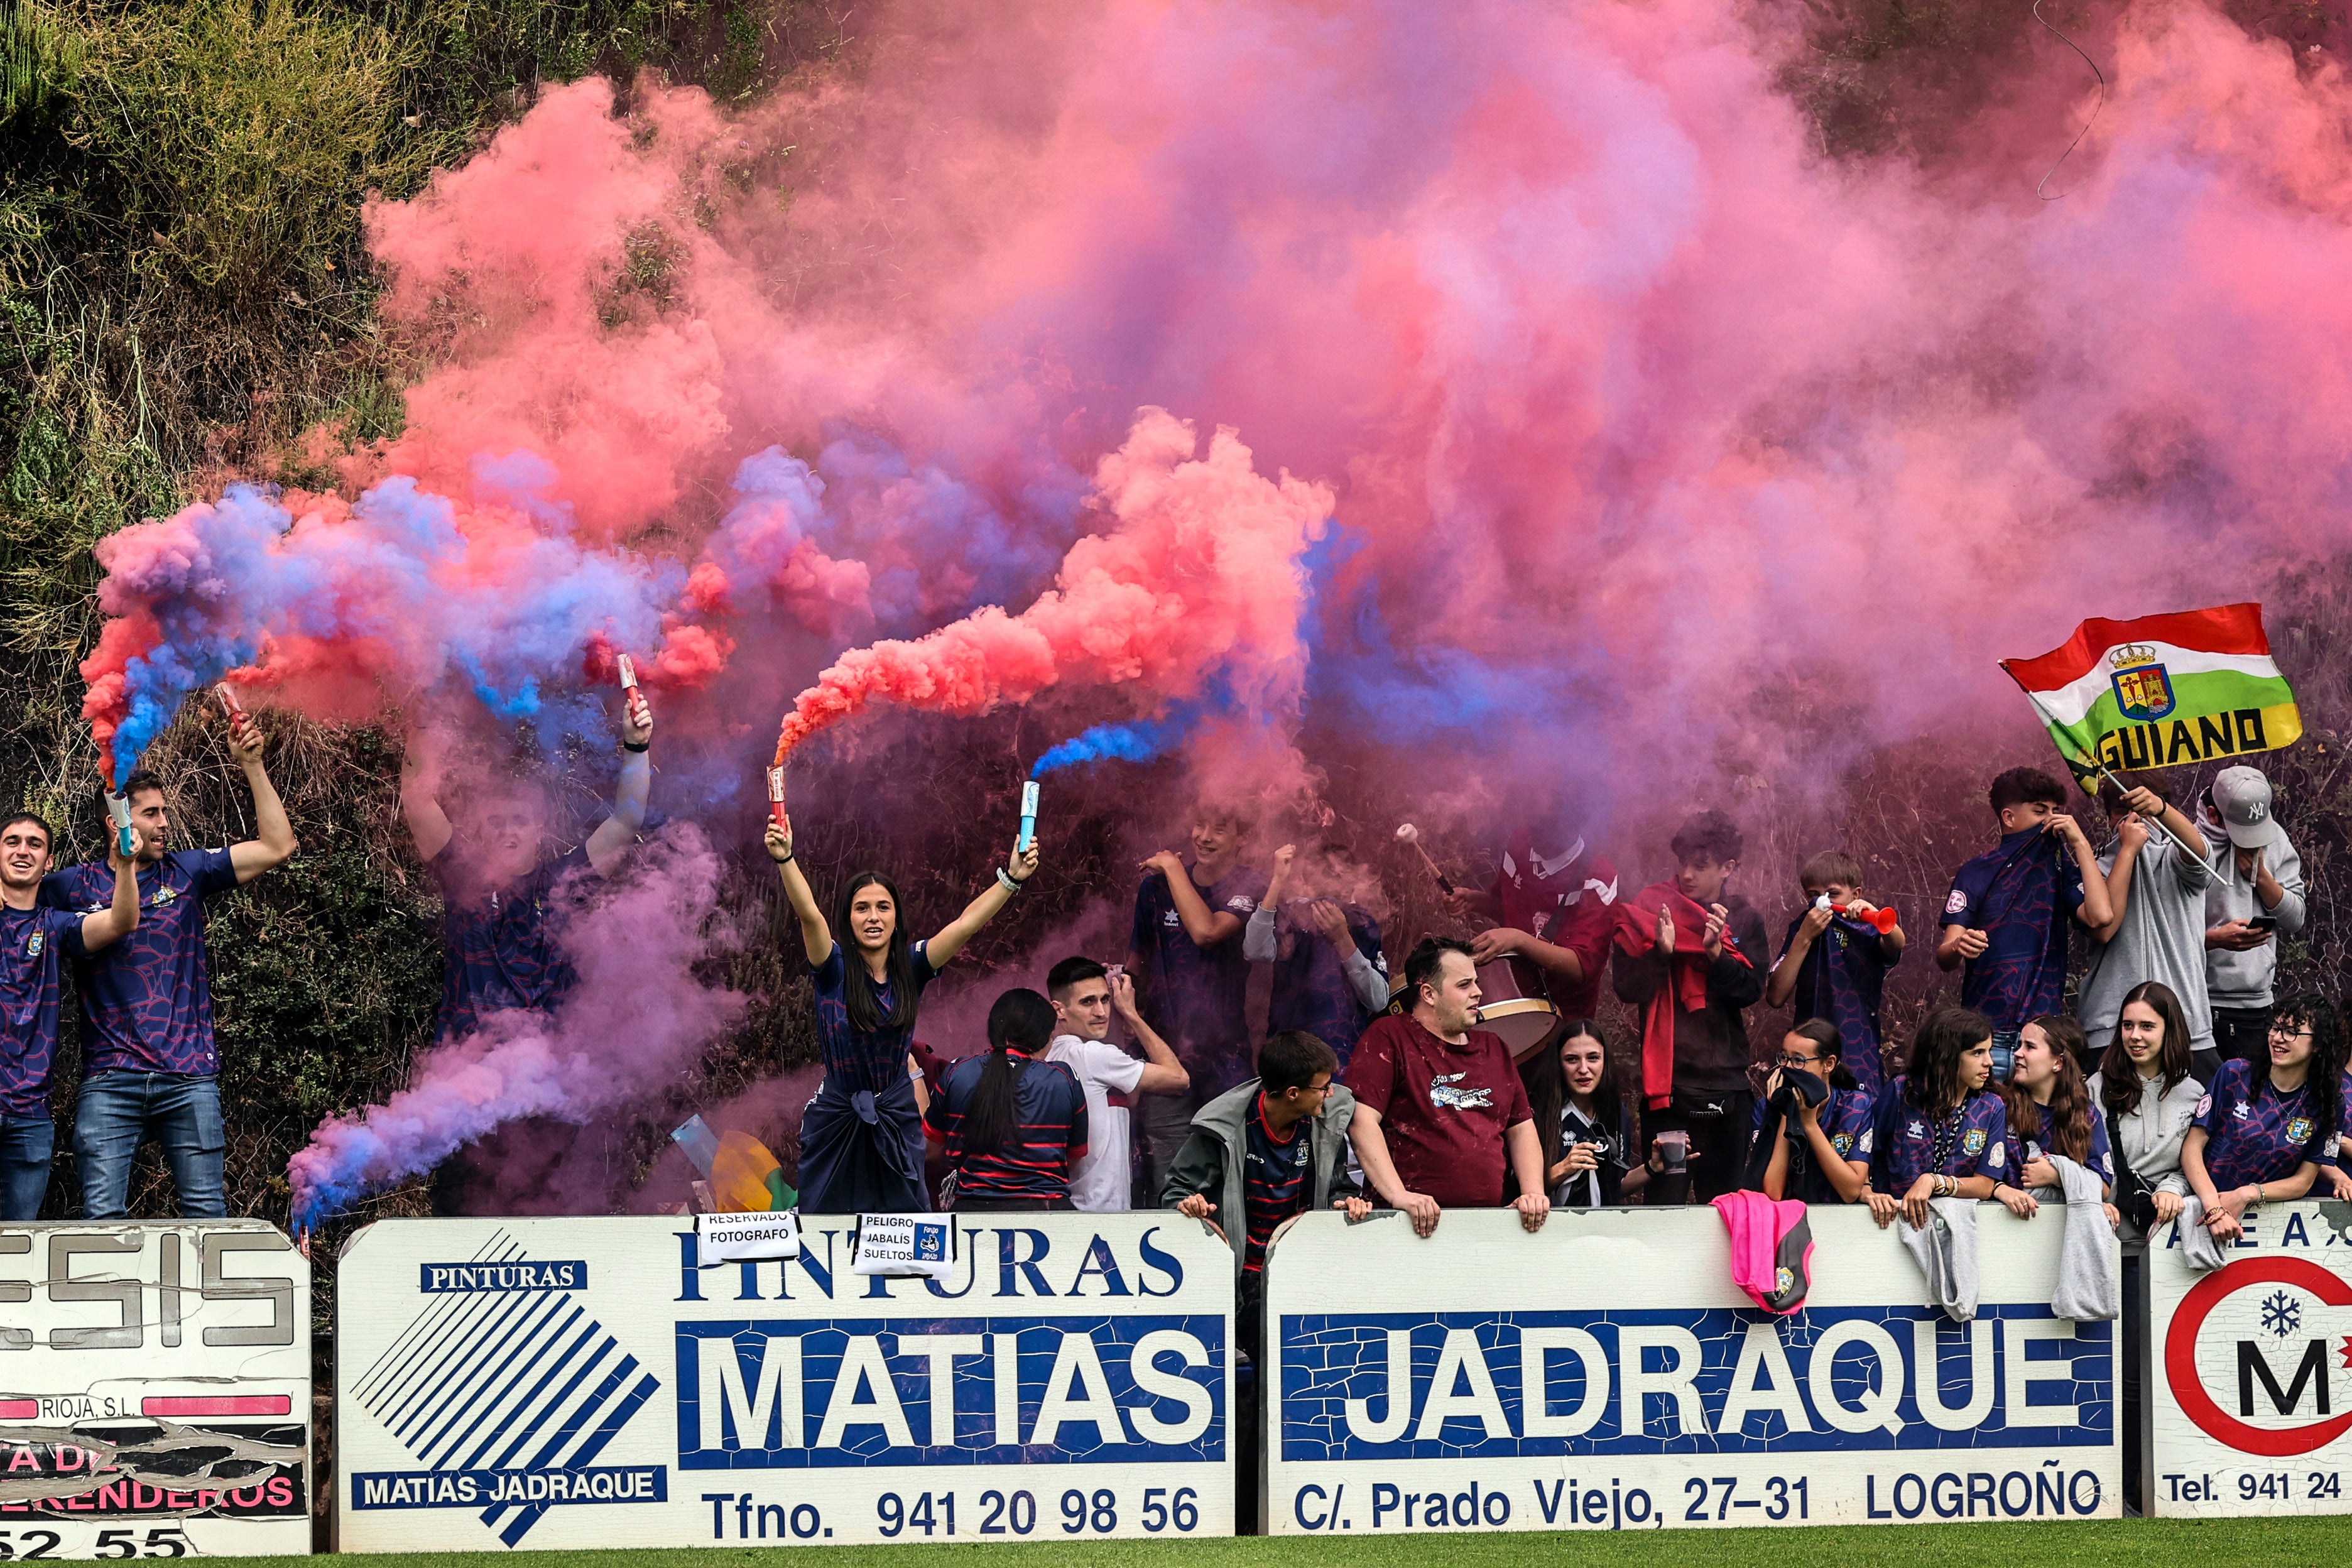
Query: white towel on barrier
{"x": 2198, "y": 1247}
{"x": 1946, "y": 1251}
{"x": 2088, "y": 1291}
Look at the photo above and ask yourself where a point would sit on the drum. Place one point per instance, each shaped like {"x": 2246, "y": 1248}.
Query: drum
{"x": 1524, "y": 1023}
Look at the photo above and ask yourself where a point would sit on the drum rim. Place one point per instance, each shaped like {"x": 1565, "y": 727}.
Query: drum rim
{"x": 1517, "y": 1007}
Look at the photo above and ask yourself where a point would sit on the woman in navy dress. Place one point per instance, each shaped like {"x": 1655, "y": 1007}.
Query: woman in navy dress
{"x": 862, "y": 1135}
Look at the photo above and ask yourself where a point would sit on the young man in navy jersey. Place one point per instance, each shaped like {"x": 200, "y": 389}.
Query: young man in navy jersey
{"x": 2007, "y": 915}
{"x": 150, "y": 1066}
{"x": 498, "y": 878}
{"x": 32, "y": 935}
{"x": 1186, "y": 956}
{"x": 1330, "y": 980}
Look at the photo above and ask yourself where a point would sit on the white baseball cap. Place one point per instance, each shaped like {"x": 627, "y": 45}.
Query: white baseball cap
{"x": 2242, "y": 798}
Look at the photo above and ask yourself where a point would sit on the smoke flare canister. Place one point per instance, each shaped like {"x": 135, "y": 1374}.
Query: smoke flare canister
{"x": 126, "y": 837}
{"x": 237, "y": 717}
{"x": 1028, "y": 817}
{"x": 628, "y": 669}
{"x": 776, "y": 799}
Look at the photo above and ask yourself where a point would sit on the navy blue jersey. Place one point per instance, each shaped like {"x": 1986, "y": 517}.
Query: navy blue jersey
{"x": 31, "y": 943}
{"x": 1970, "y": 1142}
{"x": 1274, "y": 1181}
{"x": 854, "y": 1058}
{"x": 147, "y": 1000}
{"x": 1310, "y": 990}
{"x": 1840, "y": 980}
{"x": 2022, "y": 896}
{"x": 1048, "y": 1136}
{"x": 2257, "y": 1135}
{"x": 1195, "y": 997}
{"x": 499, "y": 945}
{"x": 2032, "y": 1145}
{"x": 1847, "y": 1116}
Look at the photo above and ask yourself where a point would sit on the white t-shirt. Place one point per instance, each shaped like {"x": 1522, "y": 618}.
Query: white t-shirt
{"x": 1100, "y": 1184}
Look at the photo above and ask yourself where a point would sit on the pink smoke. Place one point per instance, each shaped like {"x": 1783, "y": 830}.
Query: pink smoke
{"x": 638, "y": 1019}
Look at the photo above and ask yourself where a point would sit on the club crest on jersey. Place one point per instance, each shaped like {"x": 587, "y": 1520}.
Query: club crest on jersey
{"x": 166, "y": 895}
{"x": 1973, "y": 1142}
{"x": 1915, "y": 1129}
{"x": 35, "y": 942}
{"x": 1442, "y": 1092}
{"x": 2298, "y": 1131}
{"x": 2143, "y": 689}
{"x": 1841, "y": 1142}
{"x": 2240, "y": 1110}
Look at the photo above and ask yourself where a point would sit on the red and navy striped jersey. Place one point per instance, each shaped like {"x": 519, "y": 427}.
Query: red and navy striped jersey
{"x": 147, "y": 1001}
{"x": 1274, "y": 1181}
{"x": 1048, "y": 1136}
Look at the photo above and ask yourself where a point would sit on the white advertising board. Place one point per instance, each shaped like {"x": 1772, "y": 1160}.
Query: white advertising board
{"x": 585, "y": 1383}
{"x": 2250, "y": 1386}
{"x": 154, "y": 1390}
{"x": 1406, "y": 1370}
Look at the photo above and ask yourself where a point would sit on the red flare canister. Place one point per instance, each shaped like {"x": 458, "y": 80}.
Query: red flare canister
{"x": 776, "y": 799}
{"x": 237, "y": 717}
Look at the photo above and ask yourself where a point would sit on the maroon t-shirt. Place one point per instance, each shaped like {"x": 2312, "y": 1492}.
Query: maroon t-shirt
{"x": 1443, "y": 1108}
{"x": 1574, "y": 908}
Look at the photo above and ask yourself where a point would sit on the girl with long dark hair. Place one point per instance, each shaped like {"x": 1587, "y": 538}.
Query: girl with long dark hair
{"x": 861, "y": 1136}
{"x": 1941, "y": 1133}
{"x": 2148, "y": 1094}
{"x": 2265, "y": 1128}
{"x": 1011, "y": 1122}
{"x": 1812, "y": 1127}
{"x": 1580, "y": 1116}
{"x": 2051, "y": 1111}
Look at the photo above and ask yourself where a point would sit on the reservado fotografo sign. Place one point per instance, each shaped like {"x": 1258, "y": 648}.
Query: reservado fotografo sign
{"x": 154, "y": 1390}
{"x": 588, "y": 1383}
{"x": 1605, "y": 1373}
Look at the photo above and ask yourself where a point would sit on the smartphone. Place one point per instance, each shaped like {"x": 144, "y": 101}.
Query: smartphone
{"x": 2265, "y": 922}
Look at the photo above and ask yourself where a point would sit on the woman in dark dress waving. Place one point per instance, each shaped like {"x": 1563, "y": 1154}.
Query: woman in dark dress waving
{"x": 862, "y": 1135}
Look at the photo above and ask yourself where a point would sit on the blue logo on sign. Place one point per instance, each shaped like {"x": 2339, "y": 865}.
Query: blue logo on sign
{"x": 1460, "y": 1386}
{"x": 931, "y": 1243}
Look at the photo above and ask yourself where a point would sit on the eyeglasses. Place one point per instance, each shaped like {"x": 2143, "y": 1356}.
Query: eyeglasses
{"x": 1789, "y": 1061}
{"x": 2285, "y": 1038}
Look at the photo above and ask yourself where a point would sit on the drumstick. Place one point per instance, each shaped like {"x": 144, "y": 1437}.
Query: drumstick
{"x": 1407, "y": 833}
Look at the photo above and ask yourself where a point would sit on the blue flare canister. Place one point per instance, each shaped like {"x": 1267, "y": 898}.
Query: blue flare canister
{"x": 1028, "y": 817}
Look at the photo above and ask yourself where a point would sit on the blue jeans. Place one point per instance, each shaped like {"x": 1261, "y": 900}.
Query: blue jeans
{"x": 182, "y": 1112}
{"x": 2004, "y": 1053}
{"x": 27, "y": 1145}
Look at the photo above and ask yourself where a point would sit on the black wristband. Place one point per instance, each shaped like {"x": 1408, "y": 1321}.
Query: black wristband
{"x": 640, "y": 747}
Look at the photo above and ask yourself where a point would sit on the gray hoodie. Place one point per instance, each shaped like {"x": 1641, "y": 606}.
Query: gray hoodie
{"x": 1210, "y": 1159}
{"x": 2242, "y": 980}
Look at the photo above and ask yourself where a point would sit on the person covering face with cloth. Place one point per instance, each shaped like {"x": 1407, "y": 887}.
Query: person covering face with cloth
{"x": 1814, "y": 1125}
{"x": 1440, "y": 1111}
{"x": 1834, "y": 962}
{"x": 1941, "y": 1132}
{"x": 32, "y": 937}
{"x": 861, "y": 1136}
{"x": 2264, "y": 1129}
{"x": 2006, "y": 916}
{"x": 1329, "y": 979}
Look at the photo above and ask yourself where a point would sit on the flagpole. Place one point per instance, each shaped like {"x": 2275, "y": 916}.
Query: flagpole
{"x": 2196, "y": 853}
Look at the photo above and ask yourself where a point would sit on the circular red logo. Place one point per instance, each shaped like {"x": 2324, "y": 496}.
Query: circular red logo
{"x": 2180, "y": 1354}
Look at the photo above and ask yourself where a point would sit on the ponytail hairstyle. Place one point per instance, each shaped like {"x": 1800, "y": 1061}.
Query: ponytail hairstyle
{"x": 1825, "y": 1035}
{"x": 1020, "y": 1021}
{"x": 1932, "y": 1082}
{"x": 2119, "y": 1075}
{"x": 858, "y": 992}
{"x": 2325, "y": 1076}
{"x": 2066, "y": 1130}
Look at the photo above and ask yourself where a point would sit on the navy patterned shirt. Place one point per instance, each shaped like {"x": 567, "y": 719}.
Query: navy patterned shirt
{"x": 31, "y": 942}
{"x": 1311, "y": 992}
{"x": 1274, "y": 1181}
{"x": 1049, "y": 1133}
{"x": 1970, "y": 1142}
{"x": 2102, "y": 1162}
{"x": 2257, "y": 1136}
{"x": 853, "y": 1059}
{"x": 2022, "y": 896}
{"x": 147, "y": 1001}
{"x": 1840, "y": 979}
{"x": 1846, "y": 1121}
{"x": 499, "y": 950}
{"x": 1196, "y": 994}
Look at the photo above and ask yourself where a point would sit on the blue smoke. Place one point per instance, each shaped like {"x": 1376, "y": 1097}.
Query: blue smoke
{"x": 1138, "y": 740}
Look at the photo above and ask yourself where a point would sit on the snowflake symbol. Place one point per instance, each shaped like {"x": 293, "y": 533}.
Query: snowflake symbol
{"x": 2280, "y": 1316}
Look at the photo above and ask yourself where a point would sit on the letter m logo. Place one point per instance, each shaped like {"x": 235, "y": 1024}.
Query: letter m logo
{"x": 2312, "y": 1370}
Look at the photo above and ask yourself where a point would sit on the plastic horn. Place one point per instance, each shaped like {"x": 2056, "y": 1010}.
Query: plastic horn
{"x": 1881, "y": 920}
{"x": 125, "y": 835}
{"x": 1028, "y": 817}
{"x": 776, "y": 799}
{"x": 1408, "y": 834}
